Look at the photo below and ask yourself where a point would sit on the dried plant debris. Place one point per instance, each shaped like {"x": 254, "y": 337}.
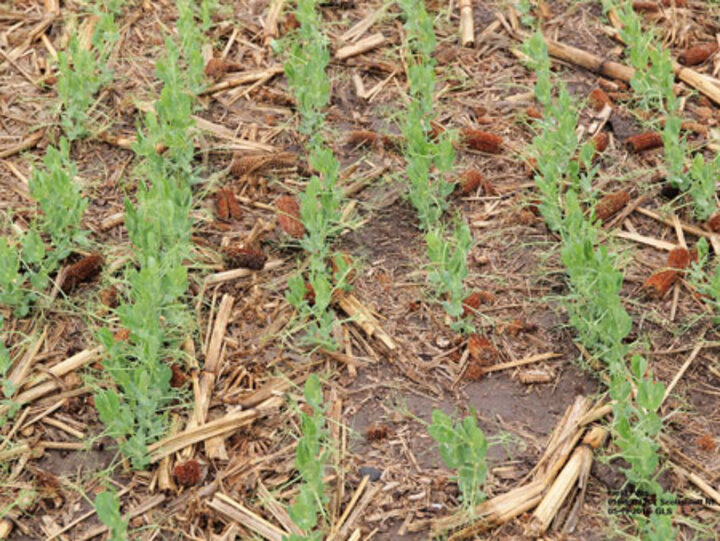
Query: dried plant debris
{"x": 247, "y": 292}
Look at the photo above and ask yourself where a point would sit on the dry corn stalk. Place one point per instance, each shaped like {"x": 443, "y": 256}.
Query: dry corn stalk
{"x": 575, "y": 471}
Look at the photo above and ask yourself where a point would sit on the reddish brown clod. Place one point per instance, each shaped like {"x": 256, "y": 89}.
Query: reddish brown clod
{"x": 179, "y": 378}
{"x": 238, "y": 257}
{"x": 714, "y": 223}
{"x": 532, "y": 112}
{"x": 82, "y": 271}
{"x": 645, "y": 141}
{"x": 698, "y": 54}
{"x": 122, "y": 335}
{"x": 361, "y": 138}
{"x": 221, "y": 204}
{"x": 534, "y": 206}
{"x": 706, "y": 443}
{"x": 188, "y": 473}
{"x": 469, "y": 182}
{"x": 482, "y": 141}
{"x": 514, "y": 327}
{"x": 694, "y": 127}
{"x": 601, "y": 141}
{"x": 377, "y": 432}
{"x": 309, "y": 294}
{"x": 288, "y": 215}
{"x": 680, "y": 258}
{"x": 474, "y": 371}
{"x": 598, "y": 99}
{"x": 227, "y": 205}
{"x": 482, "y": 354}
{"x": 108, "y": 297}
{"x": 219, "y": 66}
{"x": 481, "y": 349}
{"x": 473, "y": 301}
{"x": 524, "y": 217}
{"x": 436, "y": 131}
{"x": 611, "y": 203}
{"x": 290, "y": 24}
{"x": 660, "y": 283}
{"x": 645, "y": 6}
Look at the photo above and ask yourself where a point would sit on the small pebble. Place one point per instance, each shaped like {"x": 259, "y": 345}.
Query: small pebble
{"x": 371, "y": 472}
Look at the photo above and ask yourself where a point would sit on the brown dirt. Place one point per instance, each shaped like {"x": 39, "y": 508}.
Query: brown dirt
{"x": 515, "y": 263}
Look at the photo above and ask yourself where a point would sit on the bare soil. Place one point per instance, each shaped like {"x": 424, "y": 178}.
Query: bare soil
{"x": 515, "y": 264}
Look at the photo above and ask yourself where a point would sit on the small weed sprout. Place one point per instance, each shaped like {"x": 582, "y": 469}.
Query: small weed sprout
{"x": 463, "y": 448}
{"x": 107, "y": 506}
{"x": 311, "y": 456}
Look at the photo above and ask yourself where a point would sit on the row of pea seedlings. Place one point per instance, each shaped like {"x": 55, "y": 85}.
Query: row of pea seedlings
{"x": 594, "y": 304}
{"x": 153, "y": 315}
{"x": 320, "y": 208}
{"x": 653, "y": 84}
{"x": 429, "y": 159}
{"x": 310, "y": 290}
{"x": 27, "y": 262}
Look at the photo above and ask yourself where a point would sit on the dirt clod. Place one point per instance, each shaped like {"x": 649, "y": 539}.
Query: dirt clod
{"x": 288, "y": 216}
{"x": 239, "y": 257}
{"x": 611, "y": 203}
{"x": 697, "y": 54}
{"x": 644, "y": 141}
{"x": 377, "y": 432}
{"x": 84, "y": 270}
{"x": 188, "y": 473}
{"x": 482, "y": 140}
{"x": 598, "y": 99}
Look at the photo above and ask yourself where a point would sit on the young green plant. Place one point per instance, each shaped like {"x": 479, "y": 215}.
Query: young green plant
{"x": 321, "y": 201}
{"x": 462, "y": 448}
{"x": 428, "y": 189}
{"x": 594, "y": 305}
{"x": 27, "y": 264}
{"x": 310, "y": 459}
{"x": 82, "y": 73}
{"x": 107, "y": 506}
{"x": 159, "y": 226}
{"x": 654, "y": 86}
